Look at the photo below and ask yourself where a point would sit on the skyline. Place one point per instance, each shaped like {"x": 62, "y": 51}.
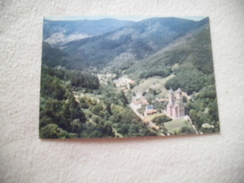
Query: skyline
{"x": 135, "y": 18}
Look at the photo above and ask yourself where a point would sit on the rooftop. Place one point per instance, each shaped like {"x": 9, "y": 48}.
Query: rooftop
{"x": 149, "y": 107}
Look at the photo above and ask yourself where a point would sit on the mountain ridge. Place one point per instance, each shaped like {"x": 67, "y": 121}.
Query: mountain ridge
{"x": 125, "y": 45}
{"x": 138, "y": 40}
{"x": 87, "y": 28}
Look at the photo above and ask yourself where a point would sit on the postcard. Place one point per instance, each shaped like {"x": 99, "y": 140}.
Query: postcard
{"x": 127, "y": 76}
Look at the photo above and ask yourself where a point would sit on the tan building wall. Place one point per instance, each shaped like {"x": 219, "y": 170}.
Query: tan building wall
{"x": 175, "y": 107}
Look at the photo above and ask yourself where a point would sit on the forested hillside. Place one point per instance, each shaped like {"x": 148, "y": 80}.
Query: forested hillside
{"x": 138, "y": 40}
{"x": 103, "y": 114}
{"x": 189, "y": 59}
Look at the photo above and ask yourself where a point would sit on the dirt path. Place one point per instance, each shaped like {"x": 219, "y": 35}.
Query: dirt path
{"x": 193, "y": 126}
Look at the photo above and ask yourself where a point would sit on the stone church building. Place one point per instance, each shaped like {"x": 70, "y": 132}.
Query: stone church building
{"x": 175, "y": 107}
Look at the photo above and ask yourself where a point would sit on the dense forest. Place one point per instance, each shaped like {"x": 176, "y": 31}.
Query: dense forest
{"x": 63, "y": 116}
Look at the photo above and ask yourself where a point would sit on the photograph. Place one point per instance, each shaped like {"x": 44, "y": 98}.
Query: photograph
{"x": 127, "y": 76}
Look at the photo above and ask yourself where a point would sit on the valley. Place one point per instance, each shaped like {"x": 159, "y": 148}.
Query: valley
{"x": 119, "y": 83}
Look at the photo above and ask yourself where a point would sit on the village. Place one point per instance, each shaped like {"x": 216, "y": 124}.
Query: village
{"x": 169, "y": 105}
{"x": 146, "y": 111}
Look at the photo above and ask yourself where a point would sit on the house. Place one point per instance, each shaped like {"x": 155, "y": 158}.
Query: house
{"x": 142, "y": 101}
{"x": 162, "y": 100}
{"x": 139, "y": 102}
{"x": 136, "y": 104}
{"x": 149, "y": 110}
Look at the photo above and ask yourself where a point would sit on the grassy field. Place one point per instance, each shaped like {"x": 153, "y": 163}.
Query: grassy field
{"x": 177, "y": 124}
{"x": 151, "y": 117}
{"x": 155, "y": 82}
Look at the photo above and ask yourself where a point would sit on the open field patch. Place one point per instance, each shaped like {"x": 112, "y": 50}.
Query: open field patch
{"x": 151, "y": 117}
{"x": 176, "y": 125}
{"x": 156, "y": 83}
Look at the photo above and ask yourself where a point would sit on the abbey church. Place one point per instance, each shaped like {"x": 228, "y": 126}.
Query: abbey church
{"x": 175, "y": 107}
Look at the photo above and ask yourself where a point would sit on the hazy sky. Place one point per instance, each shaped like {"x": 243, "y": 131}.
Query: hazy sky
{"x": 131, "y": 17}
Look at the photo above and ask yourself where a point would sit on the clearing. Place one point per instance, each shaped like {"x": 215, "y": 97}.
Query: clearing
{"x": 155, "y": 82}
{"x": 176, "y": 124}
{"x": 151, "y": 117}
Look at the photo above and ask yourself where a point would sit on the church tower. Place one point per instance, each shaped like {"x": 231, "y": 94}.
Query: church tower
{"x": 171, "y": 97}
{"x": 181, "y": 107}
{"x": 175, "y": 107}
{"x": 179, "y": 94}
{"x": 171, "y": 102}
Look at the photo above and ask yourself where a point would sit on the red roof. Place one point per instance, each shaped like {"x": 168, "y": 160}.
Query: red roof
{"x": 151, "y": 111}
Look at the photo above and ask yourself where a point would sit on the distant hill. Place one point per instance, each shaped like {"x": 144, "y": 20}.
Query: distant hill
{"x": 131, "y": 42}
{"x": 189, "y": 58}
{"x": 194, "y": 47}
{"x": 120, "y": 48}
{"x": 65, "y": 31}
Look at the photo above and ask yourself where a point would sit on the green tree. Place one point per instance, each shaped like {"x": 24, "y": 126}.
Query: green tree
{"x": 53, "y": 131}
